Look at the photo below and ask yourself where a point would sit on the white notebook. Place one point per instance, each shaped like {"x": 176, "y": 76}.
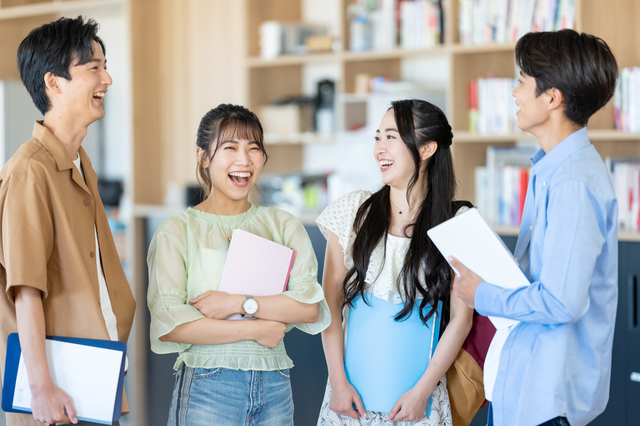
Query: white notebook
{"x": 470, "y": 238}
{"x": 255, "y": 266}
{"x": 89, "y": 375}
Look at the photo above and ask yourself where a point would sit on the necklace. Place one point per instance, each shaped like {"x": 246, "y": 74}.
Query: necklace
{"x": 396, "y": 207}
{"x": 244, "y": 216}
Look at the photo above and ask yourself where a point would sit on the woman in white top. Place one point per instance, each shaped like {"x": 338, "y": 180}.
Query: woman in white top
{"x": 377, "y": 246}
{"x": 229, "y": 372}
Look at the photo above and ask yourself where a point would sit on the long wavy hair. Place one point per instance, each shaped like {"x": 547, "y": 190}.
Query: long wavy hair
{"x": 418, "y": 122}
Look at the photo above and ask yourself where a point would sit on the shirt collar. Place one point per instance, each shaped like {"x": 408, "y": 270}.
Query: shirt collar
{"x": 60, "y": 154}
{"x": 545, "y": 164}
{"x": 55, "y": 147}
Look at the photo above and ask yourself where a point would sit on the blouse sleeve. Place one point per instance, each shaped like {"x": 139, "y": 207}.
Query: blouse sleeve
{"x": 167, "y": 293}
{"x": 303, "y": 280}
{"x": 338, "y": 218}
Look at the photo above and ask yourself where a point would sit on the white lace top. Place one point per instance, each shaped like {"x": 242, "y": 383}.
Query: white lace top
{"x": 381, "y": 279}
{"x": 338, "y": 218}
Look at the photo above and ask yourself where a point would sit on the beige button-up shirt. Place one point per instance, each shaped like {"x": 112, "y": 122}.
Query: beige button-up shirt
{"x": 47, "y": 241}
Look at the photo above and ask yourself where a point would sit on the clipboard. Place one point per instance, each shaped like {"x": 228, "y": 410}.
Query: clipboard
{"x": 470, "y": 238}
{"x": 14, "y": 351}
{"x": 382, "y": 373}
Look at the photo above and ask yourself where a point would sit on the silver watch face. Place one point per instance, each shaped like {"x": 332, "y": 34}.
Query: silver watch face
{"x": 250, "y": 306}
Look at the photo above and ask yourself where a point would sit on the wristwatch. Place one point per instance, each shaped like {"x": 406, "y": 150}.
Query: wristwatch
{"x": 250, "y": 307}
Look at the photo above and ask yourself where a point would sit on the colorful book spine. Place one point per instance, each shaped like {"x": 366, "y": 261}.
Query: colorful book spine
{"x": 626, "y": 100}
{"x": 625, "y": 175}
{"x": 503, "y": 21}
{"x": 501, "y": 185}
{"x": 492, "y": 109}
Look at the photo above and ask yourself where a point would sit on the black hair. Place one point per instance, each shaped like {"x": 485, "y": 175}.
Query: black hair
{"x": 579, "y": 65}
{"x": 418, "y": 123}
{"x": 54, "y": 48}
{"x": 224, "y": 122}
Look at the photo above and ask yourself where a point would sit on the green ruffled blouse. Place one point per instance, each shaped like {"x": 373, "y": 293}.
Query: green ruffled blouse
{"x": 186, "y": 258}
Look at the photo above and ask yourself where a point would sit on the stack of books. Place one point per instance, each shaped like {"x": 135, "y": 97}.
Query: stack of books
{"x": 625, "y": 174}
{"x": 409, "y": 24}
{"x": 626, "y": 100}
{"x": 420, "y": 24}
{"x": 505, "y": 21}
{"x": 501, "y": 185}
{"x": 492, "y": 109}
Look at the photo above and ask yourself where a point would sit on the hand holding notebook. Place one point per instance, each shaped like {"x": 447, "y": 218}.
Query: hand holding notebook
{"x": 470, "y": 239}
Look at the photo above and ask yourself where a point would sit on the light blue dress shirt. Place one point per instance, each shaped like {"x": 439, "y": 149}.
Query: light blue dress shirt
{"x": 557, "y": 361}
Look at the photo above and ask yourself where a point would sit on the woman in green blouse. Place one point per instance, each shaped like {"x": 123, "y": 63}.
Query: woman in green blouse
{"x": 229, "y": 372}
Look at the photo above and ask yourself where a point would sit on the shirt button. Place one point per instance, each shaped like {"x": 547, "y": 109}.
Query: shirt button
{"x": 92, "y": 254}
{"x": 544, "y": 183}
{"x": 530, "y": 228}
{"x": 87, "y": 202}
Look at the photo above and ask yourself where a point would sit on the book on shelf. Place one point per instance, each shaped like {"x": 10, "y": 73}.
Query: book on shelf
{"x": 492, "y": 109}
{"x": 408, "y": 24}
{"x": 625, "y": 175}
{"x": 420, "y": 24}
{"x": 626, "y": 100}
{"x": 501, "y": 185}
{"x": 505, "y": 21}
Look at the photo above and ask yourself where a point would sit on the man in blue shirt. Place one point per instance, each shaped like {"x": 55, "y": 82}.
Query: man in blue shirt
{"x": 554, "y": 366}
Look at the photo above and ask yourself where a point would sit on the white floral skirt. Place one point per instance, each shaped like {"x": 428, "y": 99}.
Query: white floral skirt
{"x": 440, "y": 412}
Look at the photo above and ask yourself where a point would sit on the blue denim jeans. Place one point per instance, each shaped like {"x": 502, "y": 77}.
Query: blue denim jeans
{"x": 223, "y": 397}
{"x": 558, "y": 421}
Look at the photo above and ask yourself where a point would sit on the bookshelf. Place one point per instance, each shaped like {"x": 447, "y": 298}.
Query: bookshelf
{"x": 613, "y": 21}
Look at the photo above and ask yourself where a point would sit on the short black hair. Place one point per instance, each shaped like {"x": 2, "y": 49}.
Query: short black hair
{"x": 55, "y": 47}
{"x": 579, "y": 65}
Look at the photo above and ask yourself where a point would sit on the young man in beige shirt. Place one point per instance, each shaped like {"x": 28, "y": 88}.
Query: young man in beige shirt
{"x": 58, "y": 262}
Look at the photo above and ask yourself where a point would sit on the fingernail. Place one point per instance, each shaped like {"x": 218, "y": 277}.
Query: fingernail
{"x": 450, "y": 258}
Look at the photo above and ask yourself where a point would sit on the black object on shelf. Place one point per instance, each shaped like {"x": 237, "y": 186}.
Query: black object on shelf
{"x": 195, "y": 195}
{"x": 110, "y": 192}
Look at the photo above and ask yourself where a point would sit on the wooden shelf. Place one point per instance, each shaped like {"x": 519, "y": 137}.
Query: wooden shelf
{"x": 285, "y": 60}
{"x": 612, "y": 135}
{"x": 271, "y": 139}
{"x": 348, "y": 56}
{"x": 154, "y": 211}
{"x": 56, "y": 6}
{"x": 392, "y": 54}
{"x": 482, "y": 48}
{"x": 512, "y": 231}
{"x": 595, "y": 135}
{"x": 468, "y": 137}
{"x": 506, "y": 231}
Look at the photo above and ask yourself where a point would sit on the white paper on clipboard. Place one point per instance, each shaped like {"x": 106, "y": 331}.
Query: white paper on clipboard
{"x": 469, "y": 238}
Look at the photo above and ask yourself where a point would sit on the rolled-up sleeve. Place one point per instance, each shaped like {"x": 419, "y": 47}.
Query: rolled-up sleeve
{"x": 303, "y": 280}
{"x": 573, "y": 241}
{"x": 167, "y": 293}
{"x": 27, "y": 230}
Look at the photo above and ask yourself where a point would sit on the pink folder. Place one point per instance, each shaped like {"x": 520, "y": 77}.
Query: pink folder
{"x": 255, "y": 266}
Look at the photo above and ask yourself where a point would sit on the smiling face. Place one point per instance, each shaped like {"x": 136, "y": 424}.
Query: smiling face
{"x": 392, "y": 155}
{"x": 82, "y": 96}
{"x": 533, "y": 111}
{"x": 234, "y": 168}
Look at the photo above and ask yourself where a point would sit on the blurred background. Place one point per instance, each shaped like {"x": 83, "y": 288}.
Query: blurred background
{"x": 320, "y": 74}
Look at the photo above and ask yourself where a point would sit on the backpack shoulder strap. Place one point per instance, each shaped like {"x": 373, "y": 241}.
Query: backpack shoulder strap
{"x": 458, "y": 204}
